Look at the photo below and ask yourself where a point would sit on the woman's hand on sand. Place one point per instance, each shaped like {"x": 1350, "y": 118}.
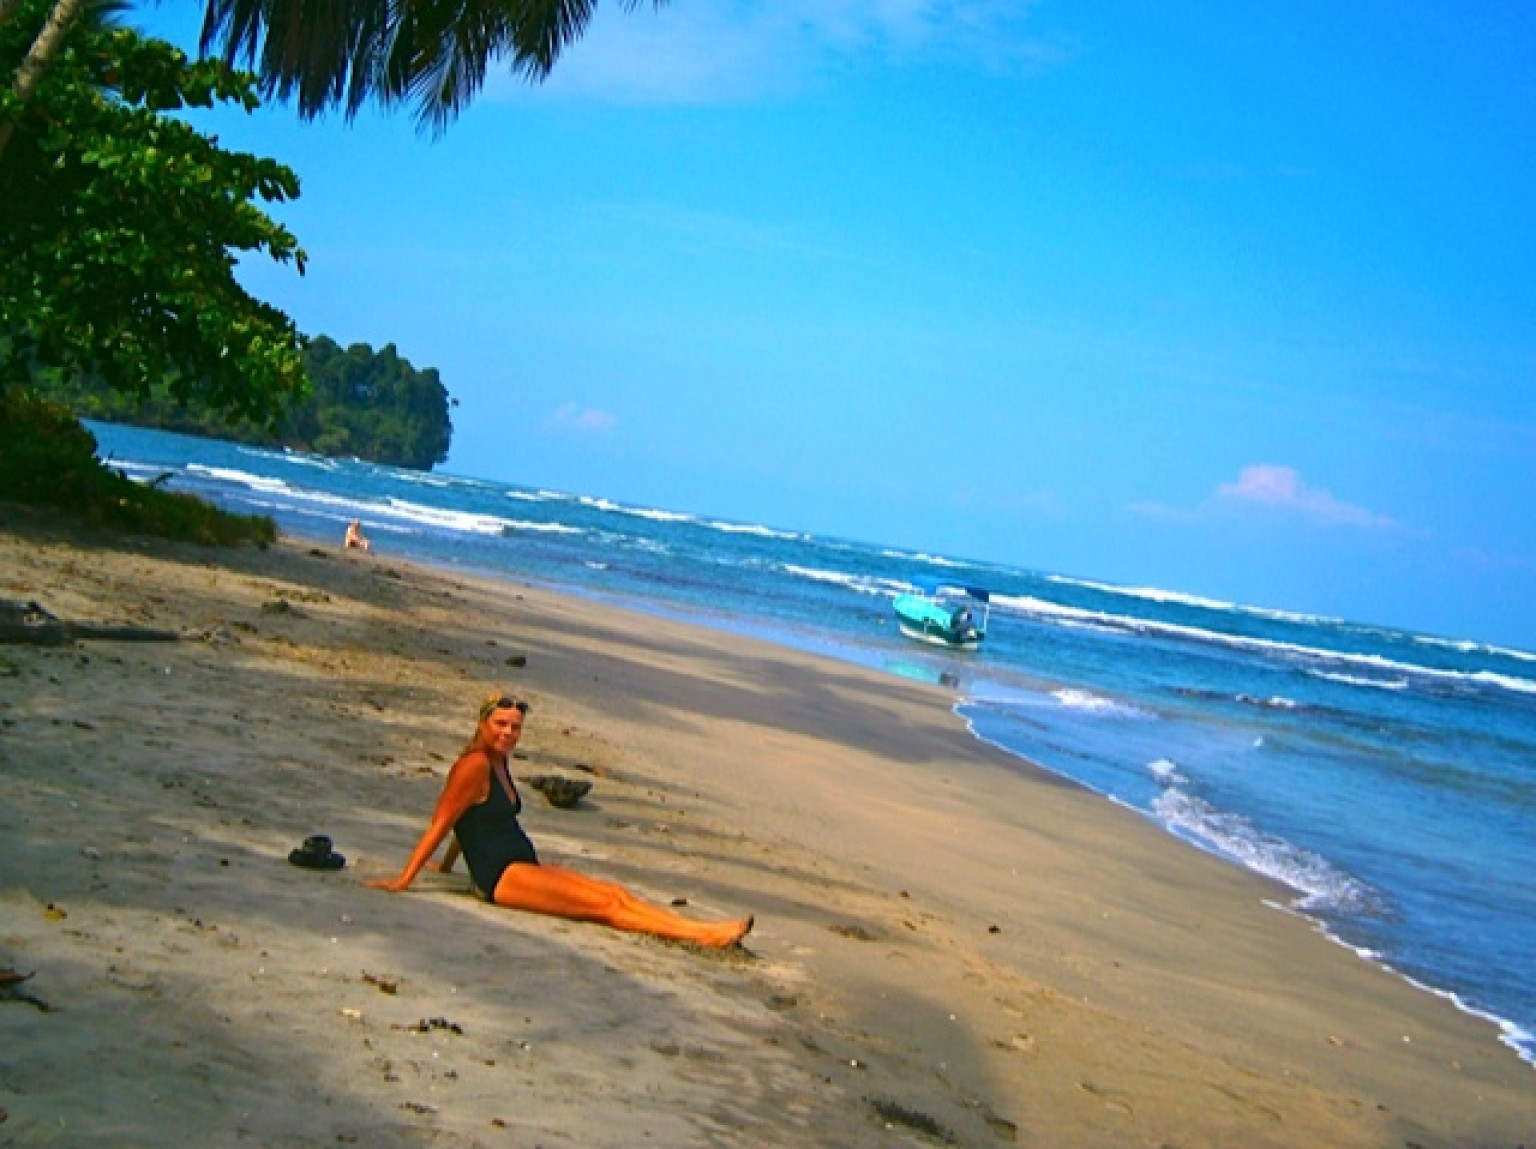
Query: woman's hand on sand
{"x": 391, "y": 885}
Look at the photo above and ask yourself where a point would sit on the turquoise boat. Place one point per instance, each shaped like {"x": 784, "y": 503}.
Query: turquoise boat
{"x": 941, "y": 615}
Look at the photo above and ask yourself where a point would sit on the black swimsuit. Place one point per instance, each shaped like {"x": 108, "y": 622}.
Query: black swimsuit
{"x": 490, "y": 836}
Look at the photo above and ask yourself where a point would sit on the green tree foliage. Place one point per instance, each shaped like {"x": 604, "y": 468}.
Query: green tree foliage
{"x": 370, "y": 404}
{"x": 374, "y": 405}
{"x": 120, "y": 226}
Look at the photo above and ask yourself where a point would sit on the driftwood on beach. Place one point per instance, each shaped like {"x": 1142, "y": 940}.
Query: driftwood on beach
{"x": 35, "y": 625}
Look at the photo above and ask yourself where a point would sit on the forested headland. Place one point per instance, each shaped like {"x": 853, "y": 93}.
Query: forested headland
{"x": 362, "y": 403}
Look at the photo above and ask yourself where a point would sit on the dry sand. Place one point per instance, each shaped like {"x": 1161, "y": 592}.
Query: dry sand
{"x": 950, "y": 948}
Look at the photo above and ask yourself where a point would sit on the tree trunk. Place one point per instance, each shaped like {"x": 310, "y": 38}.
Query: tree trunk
{"x": 39, "y": 56}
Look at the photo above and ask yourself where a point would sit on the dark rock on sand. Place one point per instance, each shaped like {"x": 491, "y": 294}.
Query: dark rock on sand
{"x": 560, "y": 791}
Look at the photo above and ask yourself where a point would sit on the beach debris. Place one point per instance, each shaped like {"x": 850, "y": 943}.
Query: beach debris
{"x": 428, "y": 1024}
{"x": 11, "y": 982}
{"x": 856, "y": 933}
{"x": 779, "y": 1002}
{"x": 559, "y": 790}
{"x": 994, "y": 929}
{"x": 54, "y": 913}
{"x": 679, "y": 901}
{"x": 1018, "y": 1043}
{"x": 418, "y": 1107}
{"x": 383, "y": 984}
{"x": 351, "y": 1014}
{"x": 893, "y": 1114}
{"x": 32, "y": 623}
{"x": 281, "y": 606}
{"x": 518, "y": 660}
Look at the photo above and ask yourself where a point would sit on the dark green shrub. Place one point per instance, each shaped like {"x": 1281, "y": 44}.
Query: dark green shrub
{"x": 48, "y": 459}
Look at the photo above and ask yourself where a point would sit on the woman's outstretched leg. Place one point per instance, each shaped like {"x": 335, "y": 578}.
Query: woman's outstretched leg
{"x": 564, "y": 893}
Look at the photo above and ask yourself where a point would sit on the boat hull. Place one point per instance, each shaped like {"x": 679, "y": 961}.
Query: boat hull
{"x": 935, "y": 638}
{"x": 925, "y": 620}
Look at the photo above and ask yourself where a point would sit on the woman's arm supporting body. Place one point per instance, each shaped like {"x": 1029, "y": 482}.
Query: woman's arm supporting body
{"x": 469, "y": 781}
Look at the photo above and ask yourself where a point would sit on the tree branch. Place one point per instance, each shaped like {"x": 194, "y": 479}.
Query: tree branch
{"x": 39, "y": 56}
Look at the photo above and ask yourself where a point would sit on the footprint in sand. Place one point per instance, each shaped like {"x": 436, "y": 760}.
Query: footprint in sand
{"x": 1110, "y": 1102}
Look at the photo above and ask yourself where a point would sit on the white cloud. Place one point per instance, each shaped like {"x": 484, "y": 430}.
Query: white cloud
{"x": 1283, "y": 489}
{"x": 574, "y": 417}
{"x": 1266, "y": 489}
{"x": 735, "y": 51}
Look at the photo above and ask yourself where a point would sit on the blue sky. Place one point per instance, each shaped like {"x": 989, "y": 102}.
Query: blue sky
{"x": 1232, "y": 300}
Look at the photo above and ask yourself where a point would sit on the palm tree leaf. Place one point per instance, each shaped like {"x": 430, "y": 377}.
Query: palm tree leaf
{"x": 433, "y": 53}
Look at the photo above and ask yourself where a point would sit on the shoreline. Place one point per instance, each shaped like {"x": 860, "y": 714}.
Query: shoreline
{"x": 1133, "y": 991}
{"x": 1508, "y": 1032}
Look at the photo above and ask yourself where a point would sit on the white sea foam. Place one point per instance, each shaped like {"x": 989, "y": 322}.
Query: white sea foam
{"x": 296, "y": 458}
{"x": 1097, "y": 704}
{"x": 1507, "y": 681}
{"x": 1467, "y": 646}
{"x": 1322, "y": 885}
{"x": 752, "y": 529}
{"x": 1356, "y": 680}
{"x": 651, "y": 513}
{"x": 924, "y": 557}
{"x": 1154, "y": 594}
{"x": 660, "y": 516}
{"x": 1275, "y": 702}
{"x": 243, "y": 478}
{"x": 863, "y": 584}
{"x": 466, "y": 521}
{"x": 1166, "y": 771}
{"x": 1289, "y": 651}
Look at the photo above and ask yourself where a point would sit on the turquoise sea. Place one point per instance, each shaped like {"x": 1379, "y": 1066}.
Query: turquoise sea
{"x": 1388, "y": 778}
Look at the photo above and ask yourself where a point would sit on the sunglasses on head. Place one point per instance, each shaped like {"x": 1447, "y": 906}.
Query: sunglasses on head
{"x": 505, "y": 702}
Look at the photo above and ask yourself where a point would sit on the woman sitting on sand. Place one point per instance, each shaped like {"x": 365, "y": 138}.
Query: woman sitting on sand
{"x": 355, "y": 539}
{"x": 480, "y": 805}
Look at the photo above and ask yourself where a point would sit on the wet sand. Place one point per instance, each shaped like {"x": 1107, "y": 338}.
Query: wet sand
{"x": 950, "y": 946}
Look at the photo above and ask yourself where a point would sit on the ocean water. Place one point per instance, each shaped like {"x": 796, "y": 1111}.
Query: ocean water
{"x": 1387, "y": 778}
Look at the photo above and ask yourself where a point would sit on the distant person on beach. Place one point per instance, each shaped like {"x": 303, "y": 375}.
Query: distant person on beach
{"x": 480, "y": 804}
{"x": 356, "y": 540}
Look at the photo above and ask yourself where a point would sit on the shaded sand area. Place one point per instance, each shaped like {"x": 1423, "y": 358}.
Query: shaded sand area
{"x": 950, "y": 949}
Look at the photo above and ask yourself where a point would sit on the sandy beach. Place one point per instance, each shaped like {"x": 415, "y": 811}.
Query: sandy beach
{"x": 950, "y": 947}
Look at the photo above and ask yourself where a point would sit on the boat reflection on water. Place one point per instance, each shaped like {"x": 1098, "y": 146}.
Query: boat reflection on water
{"x": 918, "y": 673}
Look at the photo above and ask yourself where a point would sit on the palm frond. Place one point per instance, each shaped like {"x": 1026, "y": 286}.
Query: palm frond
{"x": 434, "y": 54}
